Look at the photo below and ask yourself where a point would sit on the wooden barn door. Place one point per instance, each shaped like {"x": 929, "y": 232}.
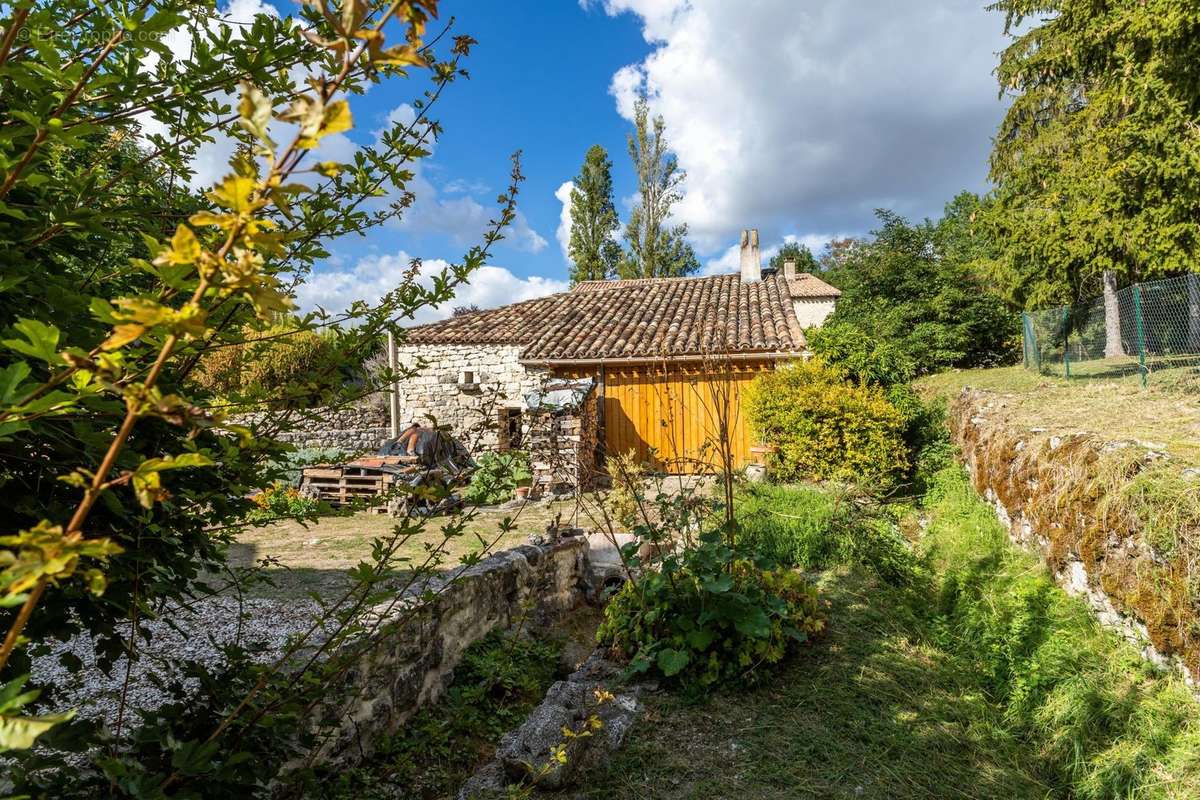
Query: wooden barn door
{"x": 672, "y": 417}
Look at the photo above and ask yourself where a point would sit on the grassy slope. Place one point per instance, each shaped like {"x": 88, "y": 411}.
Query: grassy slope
{"x": 872, "y": 711}
{"x": 1011, "y": 691}
{"x": 1165, "y": 415}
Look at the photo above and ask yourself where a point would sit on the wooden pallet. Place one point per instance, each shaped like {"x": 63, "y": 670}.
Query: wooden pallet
{"x": 341, "y": 485}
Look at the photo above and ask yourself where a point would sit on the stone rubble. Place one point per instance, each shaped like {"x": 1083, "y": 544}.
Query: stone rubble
{"x": 571, "y": 703}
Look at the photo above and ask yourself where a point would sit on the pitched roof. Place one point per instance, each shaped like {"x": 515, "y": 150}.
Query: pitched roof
{"x": 643, "y": 318}
{"x": 805, "y": 284}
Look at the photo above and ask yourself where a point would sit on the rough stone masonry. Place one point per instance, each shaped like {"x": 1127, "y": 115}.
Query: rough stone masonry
{"x": 415, "y": 645}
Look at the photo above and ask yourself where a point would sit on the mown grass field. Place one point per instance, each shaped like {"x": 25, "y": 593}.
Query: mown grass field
{"x": 871, "y": 711}
{"x": 1164, "y": 416}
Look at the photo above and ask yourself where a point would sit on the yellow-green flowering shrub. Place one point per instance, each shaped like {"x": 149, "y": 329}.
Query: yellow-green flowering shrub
{"x": 826, "y": 428}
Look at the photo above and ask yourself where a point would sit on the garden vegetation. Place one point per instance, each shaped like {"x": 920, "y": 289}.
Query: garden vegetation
{"x": 825, "y": 427}
{"x": 127, "y": 304}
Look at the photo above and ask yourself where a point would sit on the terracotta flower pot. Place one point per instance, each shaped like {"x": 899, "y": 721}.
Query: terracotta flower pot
{"x": 522, "y": 492}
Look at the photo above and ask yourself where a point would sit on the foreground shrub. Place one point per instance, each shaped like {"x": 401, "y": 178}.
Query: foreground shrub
{"x": 1106, "y": 723}
{"x": 497, "y": 477}
{"x": 826, "y": 428}
{"x": 708, "y": 617}
{"x": 816, "y": 528}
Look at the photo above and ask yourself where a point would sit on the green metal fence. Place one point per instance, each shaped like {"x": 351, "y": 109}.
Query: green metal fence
{"x": 1148, "y": 329}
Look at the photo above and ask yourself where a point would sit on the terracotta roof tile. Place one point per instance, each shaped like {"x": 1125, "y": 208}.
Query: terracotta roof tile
{"x": 644, "y": 318}
{"x": 808, "y": 285}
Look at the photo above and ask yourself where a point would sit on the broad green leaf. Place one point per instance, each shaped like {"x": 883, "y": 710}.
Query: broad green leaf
{"x": 754, "y": 622}
{"x": 672, "y": 662}
{"x": 10, "y": 378}
{"x": 719, "y": 585}
{"x": 700, "y": 638}
{"x": 41, "y": 340}
{"x": 19, "y": 733}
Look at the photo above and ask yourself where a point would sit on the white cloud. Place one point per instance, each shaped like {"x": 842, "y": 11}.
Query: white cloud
{"x": 563, "y": 232}
{"x": 806, "y": 116}
{"x": 373, "y": 276}
{"x": 459, "y": 216}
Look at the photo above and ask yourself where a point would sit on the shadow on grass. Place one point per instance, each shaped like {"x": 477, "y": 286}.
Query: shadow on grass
{"x": 871, "y": 711}
{"x": 280, "y": 581}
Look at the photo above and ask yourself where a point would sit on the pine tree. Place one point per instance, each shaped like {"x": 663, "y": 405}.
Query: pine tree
{"x": 655, "y": 250}
{"x": 593, "y": 252}
{"x": 1095, "y": 164}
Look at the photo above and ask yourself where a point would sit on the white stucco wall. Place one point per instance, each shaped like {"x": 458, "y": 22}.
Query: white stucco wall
{"x": 437, "y": 390}
{"x": 812, "y": 310}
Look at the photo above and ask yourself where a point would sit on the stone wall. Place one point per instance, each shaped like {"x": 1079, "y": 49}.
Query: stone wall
{"x": 464, "y": 386}
{"x": 812, "y": 310}
{"x": 1048, "y": 491}
{"x": 409, "y": 661}
{"x": 361, "y": 429}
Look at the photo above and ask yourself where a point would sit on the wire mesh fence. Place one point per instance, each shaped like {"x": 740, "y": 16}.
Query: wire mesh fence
{"x": 1147, "y": 329}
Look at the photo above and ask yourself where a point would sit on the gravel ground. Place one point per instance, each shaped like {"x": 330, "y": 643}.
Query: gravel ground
{"x": 202, "y": 630}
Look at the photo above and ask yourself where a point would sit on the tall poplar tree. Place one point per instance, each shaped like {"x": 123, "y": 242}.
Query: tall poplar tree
{"x": 655, "y": 249}
{"x": 593, "y": 252}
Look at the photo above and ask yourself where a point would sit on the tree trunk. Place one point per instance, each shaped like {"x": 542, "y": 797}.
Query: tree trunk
{"x": 1193, "y": 293}
{"x": 1112, "y": 317}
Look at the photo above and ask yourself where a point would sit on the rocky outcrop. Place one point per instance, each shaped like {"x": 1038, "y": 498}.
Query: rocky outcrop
{"x": 1064, "y": 496}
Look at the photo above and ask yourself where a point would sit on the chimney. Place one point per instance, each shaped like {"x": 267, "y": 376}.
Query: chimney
{"x": 789, "y": 270}
{"x": 751, "y": 263}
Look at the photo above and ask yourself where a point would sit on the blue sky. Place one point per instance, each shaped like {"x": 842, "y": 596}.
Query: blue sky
{"x": 797, "y": 117}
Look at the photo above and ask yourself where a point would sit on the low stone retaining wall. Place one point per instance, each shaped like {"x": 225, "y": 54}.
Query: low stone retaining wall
{"x": 353, "y": 430}
{"x": 1048, "y": 490}
{"x": 409, "y": 666}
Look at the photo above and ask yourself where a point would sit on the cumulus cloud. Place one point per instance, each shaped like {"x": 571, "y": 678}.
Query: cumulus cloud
{"x": 373, "y": 276}
{"x": 453, "y": 212}
{"x": 804, "y": 117}
{"x": 563, "y": 232}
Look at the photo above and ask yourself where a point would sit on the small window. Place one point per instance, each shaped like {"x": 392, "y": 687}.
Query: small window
{"x": 509, "y": 435}
{"x": 468, "y": 377}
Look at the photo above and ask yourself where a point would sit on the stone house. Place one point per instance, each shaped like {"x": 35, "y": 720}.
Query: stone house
{"x": 668, "y": 358}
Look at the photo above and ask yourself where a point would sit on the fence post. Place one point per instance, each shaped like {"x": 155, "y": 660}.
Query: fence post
{"x": 1037, "y": 347}
{"x": 1025, "y": 338}
{"x": 1067, "y": 341}
{"x": 1141, "y": 334}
